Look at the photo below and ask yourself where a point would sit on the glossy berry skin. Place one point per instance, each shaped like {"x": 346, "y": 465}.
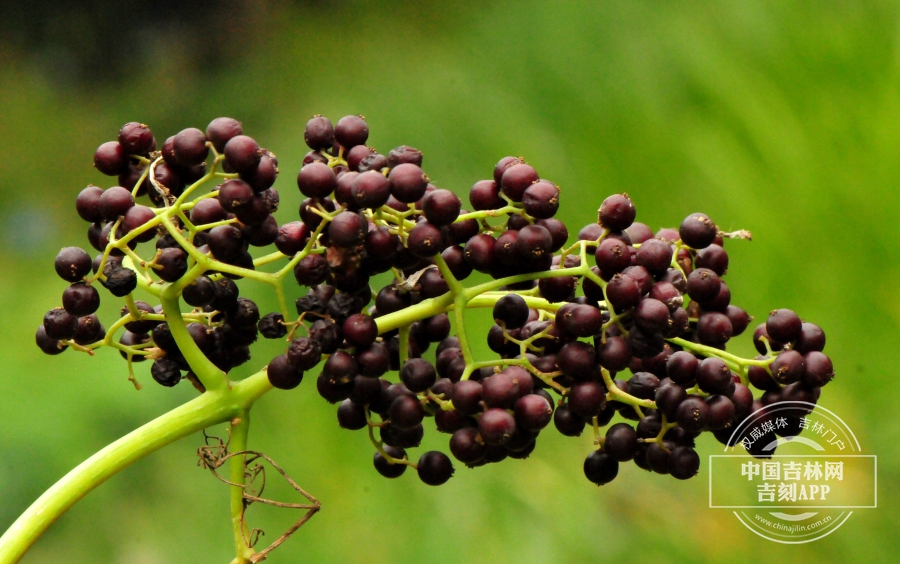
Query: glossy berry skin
{"x": 467, "y": 446}
{"x": 351, "y": 131}
{"x": 612, "y": 256}
{"x": 651, "y": 315}
{"x": 541, "y": 199}
{"x": 692, "y": 414}
{"x": 111, "y": 159}
{"x": 408, "y": 182}
{"x": 165, "y": 372}
{"x": 72, "y": 264}
{"x": 600, "y": 468}
{"x": 189, "y": 147}
{"x": 684, "y": 462}
{"x": 502, "y": 166}
{"x": 387, "y": 469}
{"x": 316, "y": 180}
{"x": 351, "y": 416}
{"x": 818, "y": 369}
{"x": 623, "y": 292}
{"x": 703, "y": 285}
{"x": 418, "y": 374}
{"x": 114, "y": 202}
{"x": 373, "y": 360}
{"x": 698, "y": 231}
{"x": 533, "y": 242}
{"x": 441, "y": 207}
{"x": 485, "y": 195}
{"x": 80, "y": 299}
{"x": 512, "y": 310}
{"x": 87, "y": 204}
{"x": 812, "y": 338}
{"x": 714, "y": 328}
{"x": 721, "y": 412}
{"x": 282, "y": 374}
{"x": 173, "y": 263}
{"x": 200, "y": 292}
{"x": 713, "y": 376}
{"x": 784, "y": 326}
{"x": 221, "y": 130}
{"x": 499, "y": 391}
{"x": 655, "y": 256}
{"x": 135, "y": 138}
{"x": 340, "y": 367}
{"x": 614, "y": 355}
{"x": 714, "y": 258}
{"x": 617, "y": 212}
{"x": 788, "y": 367}
{"x": 370, "y": 189}
{"x": 467, "y": 396}
{"x": 577, "y": 360}
{"x": 292, "y": 238}
{"x": 434, "y": 468}
{"x": 242, "y": 153}
{"x": 587, "y": 399}
{"x": 406, "y": 412}
{"x": 682, "y": 368}
{"x": 348, "y": 229}
{"x": 425, "y": 240}
{"x": 59, "y": 324}
{"x": 319, "y": 133}
{"x": 621, "y": 442}
{"x": 496, "y": 426}
{"x": 532, "y": 412}
{"x": 516, "y": 179}
{"x": 47, "y": 344}
{"x": 360, "y": 330}
{"x": 579, "y": 320}
{"x": 568, "y": 423}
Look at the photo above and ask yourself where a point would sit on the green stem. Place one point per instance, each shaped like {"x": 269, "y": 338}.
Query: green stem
{"x": 208, "y": 373}
{"x": 240, "y": 427}
{"x": 208, "y": 409}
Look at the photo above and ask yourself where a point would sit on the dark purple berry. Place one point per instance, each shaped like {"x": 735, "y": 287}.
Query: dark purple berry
{"x": 784, "y": 326}
{"x": 319, "y": 133}
{"x": 242, "y": 154}
{"x": 496, "y": 426}
{"x": 351, "y": 131}
{"x": 434, "y": 468}
{"x": 600, "y": 468}
{"x": 698, "y": 231}
{"x": 617, "y": 212}
{"x": 110, "y": 159}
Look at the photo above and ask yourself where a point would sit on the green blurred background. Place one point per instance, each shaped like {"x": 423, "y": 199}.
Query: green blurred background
{"x": 781, "y": 118}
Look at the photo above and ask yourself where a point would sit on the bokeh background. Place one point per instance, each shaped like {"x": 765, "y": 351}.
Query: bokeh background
{"x": 781, "y": 118}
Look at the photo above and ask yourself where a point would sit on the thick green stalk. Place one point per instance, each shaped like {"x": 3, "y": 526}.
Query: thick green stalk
{"x": 240, "y": 426}
{"x": 206, "y": 410}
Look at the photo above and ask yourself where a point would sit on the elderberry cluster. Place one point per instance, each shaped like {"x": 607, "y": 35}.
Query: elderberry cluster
{"x": 623, "y": 321}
